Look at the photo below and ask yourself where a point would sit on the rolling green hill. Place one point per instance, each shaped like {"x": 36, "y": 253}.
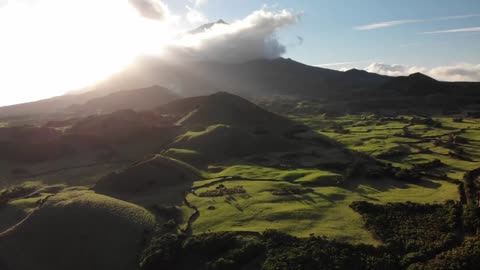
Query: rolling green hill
{"x": 77, "y": 229}
{"x": 159, "y": 180}
{"x": 209, "y": 177}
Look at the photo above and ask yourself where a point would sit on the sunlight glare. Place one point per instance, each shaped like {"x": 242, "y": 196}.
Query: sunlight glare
{"x": 50, "y": 47}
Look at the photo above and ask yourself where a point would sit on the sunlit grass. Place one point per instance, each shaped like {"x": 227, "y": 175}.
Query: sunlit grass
{"x": 325, "y": 211}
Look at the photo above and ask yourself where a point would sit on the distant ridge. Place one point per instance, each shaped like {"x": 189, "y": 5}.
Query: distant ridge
{"x": 416, "y": 84}
{"x": 261, "y": 77}
{"x": 138, "y": 99}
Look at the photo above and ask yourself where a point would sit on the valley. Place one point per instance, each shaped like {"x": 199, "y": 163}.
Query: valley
{"x": 222, "y": 166}
{"x": 239, "y": 135}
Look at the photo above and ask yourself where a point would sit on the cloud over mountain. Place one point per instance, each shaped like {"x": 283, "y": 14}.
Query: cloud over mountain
{"x": 460, "y": 72}
{"x": 49, "y": 47}
{"x": 393, "y": 69}
{"x": 250, "y": 38}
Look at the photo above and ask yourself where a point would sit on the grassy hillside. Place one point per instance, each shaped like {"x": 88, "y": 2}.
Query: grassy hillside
{"x": 219, "y": 142}
{"x": 407, "y": 141}
{"x": 77, "y": 229}
{"x": 228, "y": 109}
{"x": 159, "y": 180}
{"x": 303, "y": 200}
{"x": 219, "y": 163}
{"x": 301, "y": 210}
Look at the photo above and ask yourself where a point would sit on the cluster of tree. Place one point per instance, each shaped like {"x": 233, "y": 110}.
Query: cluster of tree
{"x": 428, "y": 121}
{"x": 471, "y": 215}
{"x": 222, "y": 190}
{"x": 292, "y": 191}
{"x": 394, "y": 152}
{"x": 436, "y": 163}
{"x": 407, "y": 134}
{"x": 388, "y": 170}
{"x": 208, "y": 251}
{"x": 387, "y": 119}
{"x": 339, "y": 128}
{"x": 464, "y": 256}
{"x": 364, "y": 122}
{"x": 454, "y": 143}
{"x": 366, "y": 167}
{"x": 472, "y": 186}
{"x": 418, "y": 231}
{"x": 171, "y": 215}
{"x": 271, "y": 250}
{"x": 459, "y": 153}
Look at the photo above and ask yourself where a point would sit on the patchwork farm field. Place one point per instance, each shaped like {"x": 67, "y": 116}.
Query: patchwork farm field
{"x": 307, "y": 201}
{"x": 409, "y": 140}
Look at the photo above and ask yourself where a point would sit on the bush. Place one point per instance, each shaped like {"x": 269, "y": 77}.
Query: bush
{"x": 419, "y": 230}
{"x": 268, "y": 251}
{"x": 465, "y": 256}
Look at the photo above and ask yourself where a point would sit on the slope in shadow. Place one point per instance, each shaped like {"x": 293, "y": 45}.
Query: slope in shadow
{"x": 157, "y": 180}
{"x": 223, "y": 125}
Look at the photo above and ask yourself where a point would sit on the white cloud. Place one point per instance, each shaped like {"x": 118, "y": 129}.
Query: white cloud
{"x": 393, "y": 69}
{"x": 458, "y": 30}
{"x": 250, "y": 38}
{"x": 401, "y": 22}
{"x": 340, "y": 64}
{"x": 385, "y": 24}
{"x": 194, "y": 16}
{"x": 460, "y": 72}
{"x": 198, "y": 3}
{"x": 151, "y": 9}
{"x": 47, "y": 47}
{"x": 459, "y": 17}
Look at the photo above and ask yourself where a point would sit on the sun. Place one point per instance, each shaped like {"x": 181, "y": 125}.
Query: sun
{"x": 50, "y": 47}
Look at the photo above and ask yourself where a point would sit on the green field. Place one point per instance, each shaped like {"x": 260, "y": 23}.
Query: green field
{"x": 375, "y": 136}
{"x": 324, "y": 209}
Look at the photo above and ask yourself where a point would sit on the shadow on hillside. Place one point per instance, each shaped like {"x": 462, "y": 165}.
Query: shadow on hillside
{"x": 383, "y": 185}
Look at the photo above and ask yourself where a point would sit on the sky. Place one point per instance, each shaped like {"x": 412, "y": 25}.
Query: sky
{"x": 49, "y": 47}
{"x": 333, "y": 36}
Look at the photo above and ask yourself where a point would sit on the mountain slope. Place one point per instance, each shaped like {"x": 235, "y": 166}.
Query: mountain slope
{"x": 223, "y": 126}
{"x": 261, "y": 77}
{"x": 77, "y": 230}
{"x": 103, "y": 100}
{"x": 160, "y": 177}
{"x": 139, "y": 99}
{"x": 228, "y": 109}
{"x": 197, "y": 78}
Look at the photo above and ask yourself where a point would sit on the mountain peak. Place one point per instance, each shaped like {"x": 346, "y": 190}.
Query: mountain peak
{"x": 229, "y": 109}
{"x": 420, "y": 76}
{"x": 356, "y": 71}
{"x": 204, "y": 27}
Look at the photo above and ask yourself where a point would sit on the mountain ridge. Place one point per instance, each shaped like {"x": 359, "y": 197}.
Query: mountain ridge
{"x": 261, "y": 77}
